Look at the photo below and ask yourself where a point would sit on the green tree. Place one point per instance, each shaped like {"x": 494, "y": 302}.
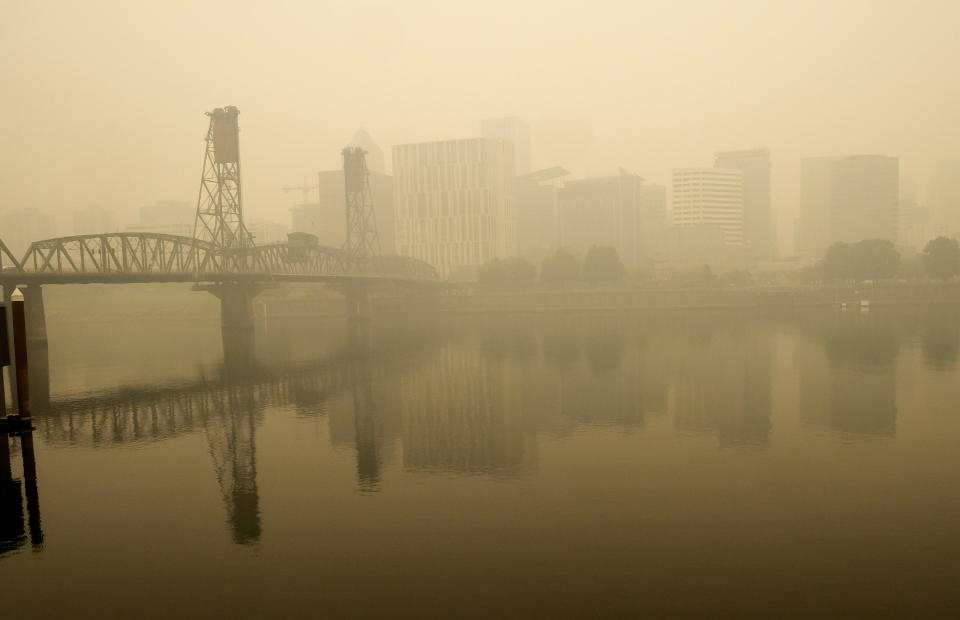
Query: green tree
{"x": 603, "y": 264}
{"x": 941, "y": 258}
{"x": 559, "y": 268}
{"x": 509, "y": 273}
{"x": 870, "y": 259}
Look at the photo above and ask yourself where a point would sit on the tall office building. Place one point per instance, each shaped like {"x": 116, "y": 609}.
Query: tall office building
{"x": 455, "y": 202}
{"x": 654, "y": 221}
{"x": 943, "y": 198}
{"x": 709, "y": 198}
{"x": 515, "y": 131}
{"x": 375, "y": 159}
{"x": 813, "y": 226}
{"x": 847, "y": 199}
{"x": 758, "y": 228}
{"x": 538, "y": 203}
{"x": 914, "y": 218}
{"x": 865, "y": 198}
{"x": 602, "y": 211}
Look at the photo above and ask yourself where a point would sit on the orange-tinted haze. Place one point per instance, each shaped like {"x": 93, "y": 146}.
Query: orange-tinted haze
{"x": 102, "y": 102}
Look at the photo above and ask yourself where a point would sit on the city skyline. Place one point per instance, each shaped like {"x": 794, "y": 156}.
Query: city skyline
{"x": 129, "y": 134}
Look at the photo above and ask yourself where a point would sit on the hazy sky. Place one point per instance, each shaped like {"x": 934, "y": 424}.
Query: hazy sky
{"x": 102, "y": 101}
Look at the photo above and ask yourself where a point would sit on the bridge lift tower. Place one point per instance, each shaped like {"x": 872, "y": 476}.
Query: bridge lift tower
{"x": 219, "y": 220}
{"x": 362, "y": 239}
{"x": 219, "y": 217}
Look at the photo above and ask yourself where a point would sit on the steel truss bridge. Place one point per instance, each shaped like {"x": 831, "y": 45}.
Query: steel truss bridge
{"x": 132, "y": 257}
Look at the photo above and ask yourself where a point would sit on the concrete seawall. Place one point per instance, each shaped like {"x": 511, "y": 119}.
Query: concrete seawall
{"x": 600, "y": 300}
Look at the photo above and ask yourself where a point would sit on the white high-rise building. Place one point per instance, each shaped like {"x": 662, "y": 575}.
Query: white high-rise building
{"x": 709, "y": 198}
{"x": 455, "y": 202}
{"x": 515, "y": 131}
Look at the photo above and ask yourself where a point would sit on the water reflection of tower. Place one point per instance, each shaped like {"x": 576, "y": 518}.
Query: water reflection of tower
{"x": 458, "y": 414}
{"x": 848, "y": 383}
{"x": 722, "y": 385}
{"x": 231, "y": 436}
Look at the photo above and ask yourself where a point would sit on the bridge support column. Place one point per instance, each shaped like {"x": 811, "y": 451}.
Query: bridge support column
{"x": 236, "y": 319}
{"x": 236, "y": 304}
{"x": 236, "y": 307}
{"x": 36, "y": 316}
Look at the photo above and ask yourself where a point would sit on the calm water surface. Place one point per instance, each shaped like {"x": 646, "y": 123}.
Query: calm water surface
{"x": 562, "y": 466}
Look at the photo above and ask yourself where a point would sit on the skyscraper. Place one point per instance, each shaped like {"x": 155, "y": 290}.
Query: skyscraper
{"x": 602, "y": 211}
{"x": 654, "y": 220}
{"x": 758, "y": 229}
{"x": 537, "y": 208}
{"x": 375, "y": 160}
{"x": 455, "y": 202}
{"x": 516, "y": 132}
{"x": 847, "y": 199}
{"x": 709, "y": 198}
{"x": 813, "y": 226}
{"x": 864, "y": 198}
{"x": 943, "y": 198}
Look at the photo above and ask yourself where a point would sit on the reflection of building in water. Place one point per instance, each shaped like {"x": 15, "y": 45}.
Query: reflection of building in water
{"x": 598, "y": 375}
{"x": 941, "y": 345}
{"x": 602, "y": 390}
{"x": 459, "y": 414}
{"x": 849, "y": 383}
{"x": 722, "y": 385}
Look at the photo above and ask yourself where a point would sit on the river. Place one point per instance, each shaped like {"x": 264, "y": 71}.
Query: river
{"x": 582, "y": 465}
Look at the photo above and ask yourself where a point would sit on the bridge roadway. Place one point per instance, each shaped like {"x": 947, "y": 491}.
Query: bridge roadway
{"x": 234, "y": 276}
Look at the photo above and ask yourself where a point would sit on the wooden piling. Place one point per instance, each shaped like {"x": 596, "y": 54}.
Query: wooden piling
{"x": 19, "y": 325}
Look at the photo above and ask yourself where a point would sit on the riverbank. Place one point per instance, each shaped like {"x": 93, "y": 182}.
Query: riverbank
{"x": 732, "y": 298}
{"x": 169, "y": 302}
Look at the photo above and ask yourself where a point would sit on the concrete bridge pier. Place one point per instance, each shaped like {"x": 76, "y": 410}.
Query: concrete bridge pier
{"x": 236, "y": 321}
{"x": 236, "y": 307}
{"x": 236, "y": 304}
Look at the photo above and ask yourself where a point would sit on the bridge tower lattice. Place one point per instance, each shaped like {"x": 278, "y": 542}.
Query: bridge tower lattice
{"x": 219, "y": 218}
{"x": 362, "y": 238}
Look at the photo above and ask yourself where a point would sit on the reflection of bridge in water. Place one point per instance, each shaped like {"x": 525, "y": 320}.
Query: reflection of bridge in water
{"x": 228, "y": 409}
{"x": 472, "y": 397}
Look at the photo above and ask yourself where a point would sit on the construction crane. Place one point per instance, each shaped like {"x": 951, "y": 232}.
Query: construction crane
{"x": 305, "y": 188}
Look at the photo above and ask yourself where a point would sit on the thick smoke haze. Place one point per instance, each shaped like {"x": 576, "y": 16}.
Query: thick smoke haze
{"x": 103, "y": 101}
